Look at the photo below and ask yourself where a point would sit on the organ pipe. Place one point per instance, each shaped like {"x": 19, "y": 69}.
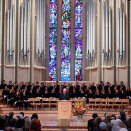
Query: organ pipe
{"x": 91, "y": 33}
{"x": 107, "y": 31}
{"x": 121, "y": 35}
{"x": 123, "y": 50}
{"x": 10, "y": 29}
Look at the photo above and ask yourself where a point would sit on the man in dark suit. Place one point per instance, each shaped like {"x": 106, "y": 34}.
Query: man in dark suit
{"x": 91, "y": 122}
{"x": 64, "y": 95}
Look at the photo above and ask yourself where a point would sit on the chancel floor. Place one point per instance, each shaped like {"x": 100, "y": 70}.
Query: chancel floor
{"x": 49, "y": 117}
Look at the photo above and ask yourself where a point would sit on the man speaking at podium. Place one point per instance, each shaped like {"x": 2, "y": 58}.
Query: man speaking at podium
{"x": 64, "y": 95}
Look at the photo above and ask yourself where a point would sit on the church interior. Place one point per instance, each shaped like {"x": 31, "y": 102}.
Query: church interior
{"x": 65, "y": 65}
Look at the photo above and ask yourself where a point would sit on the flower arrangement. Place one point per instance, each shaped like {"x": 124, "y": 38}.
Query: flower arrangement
{"x": 79, "y": 109}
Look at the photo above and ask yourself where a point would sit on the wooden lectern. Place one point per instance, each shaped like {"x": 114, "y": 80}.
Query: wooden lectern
{"x": 64, "y": 113}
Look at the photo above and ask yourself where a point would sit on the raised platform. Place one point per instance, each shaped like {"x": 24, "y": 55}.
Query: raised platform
{"x": 49, "y": 117}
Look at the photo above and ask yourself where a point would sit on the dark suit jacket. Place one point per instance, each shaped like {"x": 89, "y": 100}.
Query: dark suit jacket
{"x": 90, "y": 125}
{"x": 64, "y": 97}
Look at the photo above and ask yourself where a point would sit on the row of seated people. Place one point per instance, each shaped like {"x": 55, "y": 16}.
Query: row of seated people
{"x": 19, "y": 94}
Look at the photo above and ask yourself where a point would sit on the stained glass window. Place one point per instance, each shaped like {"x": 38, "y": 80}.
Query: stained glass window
{"x": 78, "y": 38}
{"x": 52, "y": 40}
{"x": 65, "y": 41}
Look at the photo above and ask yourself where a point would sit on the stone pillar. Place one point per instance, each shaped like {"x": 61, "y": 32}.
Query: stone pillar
{"x": 84, "y": 41}
{"x": 99, "y": 39}
{"x": 58, "y": 61}
{"x": 32, "y": 37}
{"x": 72, "y": 41}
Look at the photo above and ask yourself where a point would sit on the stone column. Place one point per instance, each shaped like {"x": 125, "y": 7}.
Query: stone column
{"x": 99, "y": 39}
{"x": 17, "y": 37}
{"x": 84, "y": 41}
{"x": 32, "y": 37}
{"x": 72, "y": 42}
{"x": 58, "y": 61}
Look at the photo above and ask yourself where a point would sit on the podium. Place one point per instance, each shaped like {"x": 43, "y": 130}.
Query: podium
{"x": 64, "y": 113}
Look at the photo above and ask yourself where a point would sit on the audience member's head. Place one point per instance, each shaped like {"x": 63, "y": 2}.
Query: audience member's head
{"x": 123, "y": 129}
{"x": 116, "y": 128}
{"x": 102, "y": 126}
{"x": 34, "y": 115}
{"x": 115, "y": 122}
{"x": 95, "y": 115}
{"x": 64, "y": 90}
{"x": 22, "y": 113}
{"x": 11, "y": 114}
{"x": 108, "y": 119}
{"x": 98, "y": 120}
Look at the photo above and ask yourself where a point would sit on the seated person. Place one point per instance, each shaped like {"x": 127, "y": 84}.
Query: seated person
{"x": 64, "y": 95}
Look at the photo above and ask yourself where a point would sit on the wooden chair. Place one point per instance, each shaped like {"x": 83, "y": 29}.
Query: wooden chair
{"x": 31, "y": 100}
{"x": 92, "y": 103}
{"x": 110, "y": 104}
{"x": 45, "y": 102}
{"x": 37, "y": 102}
{"x": 1, "y": 97}
{"x": 98, "y": 103}
{"x": 53, "y": 102}
{"x": 124, "y": 103}
{"x": 118, "y": 103}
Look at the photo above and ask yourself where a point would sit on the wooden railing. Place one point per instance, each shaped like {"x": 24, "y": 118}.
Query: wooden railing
{"x": 108, "y": 103}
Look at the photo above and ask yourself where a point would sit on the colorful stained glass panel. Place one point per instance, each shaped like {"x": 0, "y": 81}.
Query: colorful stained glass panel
{"x": 66, "y": 13}
{"x": 53, "y": 14}
{"x": 65, "y": 40}
{"x": 78, "y": 13}
{"x": 65, "y": 70}
{"x": 65, "y": 48}
{"x": 52, "y": 40}
{"x": 78, "y": 38}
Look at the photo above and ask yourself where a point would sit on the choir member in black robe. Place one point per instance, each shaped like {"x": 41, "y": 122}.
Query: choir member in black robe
{"x": 110, "y": 94}
{"x": 89, "y": 95}
{"x": 17, "y": 100}
{"x": 38, "y": 93}
{"x": 121, "y": 86}
{"x": 93, "y": 88}
{"x": 3, "y": 84}
{"x": 57, "y": 87}
{"x": 49, "y": 87}
{"x": 24, "y": 99}
{"x": 122, "y": 94}
{"x": 77, "y": 87}
{"x": 10, "y": 84}
{"x": 81, "y": 93}
{"x": 113, "y": 86}
{"x": 103, "y": 94}
{"x": 116, "y": 94}
{"x": 52, "y": 93}
{"x": 97, "y": 94}
{"x": 46, "y": 93}
{"x": 11, "y": 96}
{"x": 42, "y": 89}
{"x": 106, "y": 87}
{"x": 86, "y": 90}
{"x": 71, "y": 88}
{"x": 83, "y": 87}
{"x": 30, "y": 94}
{"x": 5, "y": 94}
